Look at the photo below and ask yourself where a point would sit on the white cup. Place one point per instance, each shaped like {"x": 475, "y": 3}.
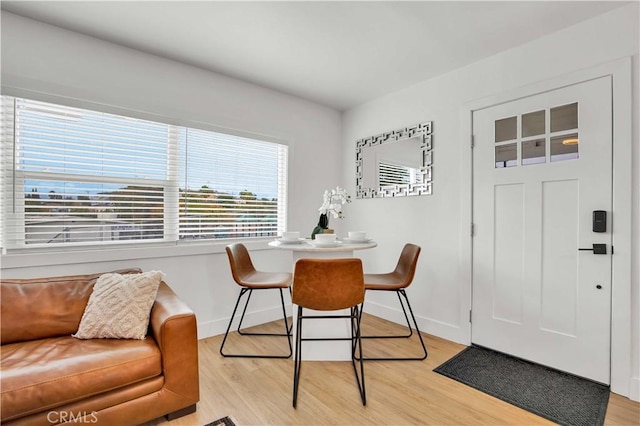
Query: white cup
{"x": 290, "y": 236}
{"x": 357, "y": 235}
{"x": 326, "y": 238}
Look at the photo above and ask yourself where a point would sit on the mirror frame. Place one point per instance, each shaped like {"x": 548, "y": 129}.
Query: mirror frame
{"x": 424, "y": 131}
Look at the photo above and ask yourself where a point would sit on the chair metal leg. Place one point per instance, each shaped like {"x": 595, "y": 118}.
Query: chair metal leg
{"x": 355, "y": 340}
{"x": 297, "y": 357}
{"x": 287, "y": 333}
{"x": 406, "y": 317}
{"x": 244, "y": 333}
{"x": 401, "y": 292}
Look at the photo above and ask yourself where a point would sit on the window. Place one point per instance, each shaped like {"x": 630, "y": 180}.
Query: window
{"x": 547, "y": 135}
{"x": 73, "y": 176}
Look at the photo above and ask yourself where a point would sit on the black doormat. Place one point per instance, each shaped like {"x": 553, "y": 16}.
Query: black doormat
{"x": 225, "y": 421}
{"x": 552, "y": 394}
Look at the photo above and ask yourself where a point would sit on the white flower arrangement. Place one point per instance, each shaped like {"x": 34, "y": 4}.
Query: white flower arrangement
{"x": 333, "y": 201}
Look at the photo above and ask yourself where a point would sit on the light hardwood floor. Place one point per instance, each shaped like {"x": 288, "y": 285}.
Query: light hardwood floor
{"x": 259, "y": 391}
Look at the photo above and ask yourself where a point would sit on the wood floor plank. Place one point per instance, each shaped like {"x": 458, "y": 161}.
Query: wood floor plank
{"x": 259, "y": 391}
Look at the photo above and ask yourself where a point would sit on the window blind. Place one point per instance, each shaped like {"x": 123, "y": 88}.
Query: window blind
{"x": 230, "y": 186}
{"x": 392, "y": 174}
{"x": 74, "y": 176}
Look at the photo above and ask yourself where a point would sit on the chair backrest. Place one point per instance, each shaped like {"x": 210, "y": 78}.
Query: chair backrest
{"x": 328, "y": 284}
{"x": 406, "y": 267}
{"x": 240, "y": 262}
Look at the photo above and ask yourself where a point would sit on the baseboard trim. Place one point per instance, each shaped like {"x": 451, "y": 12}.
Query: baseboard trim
{"x": 634, "y": 389}
{"x": 427, "y": 325}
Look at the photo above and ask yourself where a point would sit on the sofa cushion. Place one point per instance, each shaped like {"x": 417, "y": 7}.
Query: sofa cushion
{"x": 119, "y": 306}
{"x": 38, "y": 308}
{"x": 47, "y": 373}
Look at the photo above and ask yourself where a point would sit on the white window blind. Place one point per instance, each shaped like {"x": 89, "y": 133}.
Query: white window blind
{"x": 73, "y": 176}
{"x": 393, "y": 174}
{"x": 230, "y": 186}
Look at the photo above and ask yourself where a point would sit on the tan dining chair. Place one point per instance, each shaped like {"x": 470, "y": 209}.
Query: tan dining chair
{"x": 328, "y": 285}
{"x": 397, "y": 281}
{"x": 249, "y": 279}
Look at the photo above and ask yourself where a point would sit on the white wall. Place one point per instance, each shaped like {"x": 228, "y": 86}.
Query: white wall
{"x": 47, "y": 60}
{"x": 440, "y": 292}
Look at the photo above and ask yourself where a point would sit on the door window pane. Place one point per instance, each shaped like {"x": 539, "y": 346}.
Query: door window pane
{"x": 565, "y": 147}
{"x": 533, "y": 152}
{"x": 564, "y": 117}
{"x": 533, "y": 124}
{"x": 506, "y": 129}
{"x": 506, "y": 155}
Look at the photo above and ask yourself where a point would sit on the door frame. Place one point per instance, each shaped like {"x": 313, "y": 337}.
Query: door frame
{"x": 621, "y": 75}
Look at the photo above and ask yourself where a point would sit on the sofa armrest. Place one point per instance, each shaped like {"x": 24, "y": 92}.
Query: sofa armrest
{"x": 174, "y": 328}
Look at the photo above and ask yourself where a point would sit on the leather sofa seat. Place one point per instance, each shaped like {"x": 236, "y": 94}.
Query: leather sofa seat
{"x": 47, "y": 373}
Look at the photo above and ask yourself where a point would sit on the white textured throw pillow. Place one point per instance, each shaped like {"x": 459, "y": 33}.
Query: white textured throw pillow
{"x": 119, "y": 306}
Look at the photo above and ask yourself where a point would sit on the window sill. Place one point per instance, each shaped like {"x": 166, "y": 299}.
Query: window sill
{"x": 108, "y": 254}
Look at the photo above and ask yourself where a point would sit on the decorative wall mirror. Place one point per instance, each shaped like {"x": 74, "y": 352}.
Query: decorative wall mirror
{"x": 395, "y": 164}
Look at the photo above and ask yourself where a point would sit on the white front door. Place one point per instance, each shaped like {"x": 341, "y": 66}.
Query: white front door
{"x": 541, "y": 166}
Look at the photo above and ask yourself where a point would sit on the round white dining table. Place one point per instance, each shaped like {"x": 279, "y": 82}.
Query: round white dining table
{"x": 309, "y": 249}
{"x": 327, "y": 350}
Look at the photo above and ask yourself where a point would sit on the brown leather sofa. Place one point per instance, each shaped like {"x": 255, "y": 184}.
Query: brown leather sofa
{"x": 49, "y": 377}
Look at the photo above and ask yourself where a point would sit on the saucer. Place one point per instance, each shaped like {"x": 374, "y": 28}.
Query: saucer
{"x": 325, "y": 245}
{"x": 298, "y": 241}
{"x": 363, "y": 241}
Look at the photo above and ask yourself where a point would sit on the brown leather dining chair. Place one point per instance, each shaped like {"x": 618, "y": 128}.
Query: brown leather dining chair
{"x": 249, "y": 279}
{"x": 328, "y": 285}
{"x": 397, "y": 281}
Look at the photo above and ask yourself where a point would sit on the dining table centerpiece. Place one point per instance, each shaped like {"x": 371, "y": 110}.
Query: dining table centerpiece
{"x": 332, "y": 202}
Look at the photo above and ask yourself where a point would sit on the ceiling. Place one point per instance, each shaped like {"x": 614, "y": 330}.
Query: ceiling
{"x": 336, "y": 53}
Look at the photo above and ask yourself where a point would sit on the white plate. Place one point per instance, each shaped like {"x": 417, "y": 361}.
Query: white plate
{"x": 325, "y": 245}
{"x": 366, "y": 240}
{"x": 298, "y": 241}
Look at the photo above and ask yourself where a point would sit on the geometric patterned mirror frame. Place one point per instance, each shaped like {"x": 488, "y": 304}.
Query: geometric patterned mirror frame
{"x": 420, "y": 182}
